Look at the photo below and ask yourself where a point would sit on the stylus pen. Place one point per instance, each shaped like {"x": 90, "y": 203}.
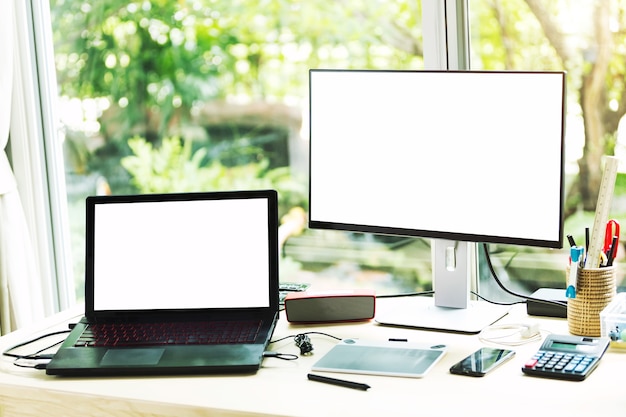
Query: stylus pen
{"x": 340, "y": 382}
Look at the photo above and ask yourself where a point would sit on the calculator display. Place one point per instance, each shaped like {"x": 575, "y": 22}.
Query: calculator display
{"x": 572, "y": 347}
{"x": 560, "y": 345}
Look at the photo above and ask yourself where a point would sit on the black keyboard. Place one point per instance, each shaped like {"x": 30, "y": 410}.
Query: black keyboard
{"x": 169, "y": 333}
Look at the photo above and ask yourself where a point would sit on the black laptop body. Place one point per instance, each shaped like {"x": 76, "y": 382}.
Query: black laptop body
{"x": 177, "y": 261}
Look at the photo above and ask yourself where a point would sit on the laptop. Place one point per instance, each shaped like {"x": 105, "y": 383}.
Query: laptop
{"x": 176, "y": 261}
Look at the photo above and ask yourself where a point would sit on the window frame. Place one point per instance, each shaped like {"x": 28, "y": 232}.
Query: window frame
{"x": 38, "y": 162}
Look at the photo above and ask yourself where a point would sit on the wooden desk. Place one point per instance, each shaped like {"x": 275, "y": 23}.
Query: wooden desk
{"x": 281, "y": 388}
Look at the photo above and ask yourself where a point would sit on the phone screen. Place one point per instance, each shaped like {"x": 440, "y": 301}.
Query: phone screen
{"x": 482, "y": 361}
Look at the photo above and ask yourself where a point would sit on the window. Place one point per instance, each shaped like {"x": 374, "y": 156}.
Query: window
{"x": 202, "y": 95}
{"x": 584, "y": 39}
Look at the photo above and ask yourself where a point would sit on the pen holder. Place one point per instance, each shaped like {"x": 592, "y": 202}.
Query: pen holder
{"x": 595, "y": 289}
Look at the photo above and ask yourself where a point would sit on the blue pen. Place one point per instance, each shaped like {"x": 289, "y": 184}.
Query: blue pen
{"x": 576, "y": 255}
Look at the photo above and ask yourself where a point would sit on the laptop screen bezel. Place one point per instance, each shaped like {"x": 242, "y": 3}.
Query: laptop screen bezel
{"x": 273, "y": 252}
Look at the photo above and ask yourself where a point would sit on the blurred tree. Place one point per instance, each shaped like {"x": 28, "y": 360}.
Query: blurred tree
{"x": 587, "y": 39}
{"x": 157, "y": 59}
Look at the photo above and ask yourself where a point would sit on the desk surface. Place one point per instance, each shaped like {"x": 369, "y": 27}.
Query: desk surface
{"x": 281, "y": 387}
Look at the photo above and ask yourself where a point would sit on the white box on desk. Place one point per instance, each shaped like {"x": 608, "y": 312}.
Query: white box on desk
{"x": 613, "y": 321}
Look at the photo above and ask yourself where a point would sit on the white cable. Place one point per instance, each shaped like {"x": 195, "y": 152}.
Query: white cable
{"x": 514, "y": 334}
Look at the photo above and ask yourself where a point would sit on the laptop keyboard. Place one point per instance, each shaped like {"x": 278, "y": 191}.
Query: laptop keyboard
{"x": 170, "y": 333}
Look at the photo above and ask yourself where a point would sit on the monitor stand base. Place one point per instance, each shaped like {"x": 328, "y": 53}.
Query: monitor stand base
{"x": 421, "y": 312}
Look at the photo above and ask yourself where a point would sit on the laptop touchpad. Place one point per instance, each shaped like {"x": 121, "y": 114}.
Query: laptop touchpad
{"x": 130, "y": 357}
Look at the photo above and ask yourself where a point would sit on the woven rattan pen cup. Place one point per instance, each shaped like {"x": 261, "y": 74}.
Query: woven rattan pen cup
{"x": 595, "y": 289}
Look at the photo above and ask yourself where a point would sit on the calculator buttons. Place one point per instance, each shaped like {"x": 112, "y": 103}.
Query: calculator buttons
{"x": 557, "y": 365}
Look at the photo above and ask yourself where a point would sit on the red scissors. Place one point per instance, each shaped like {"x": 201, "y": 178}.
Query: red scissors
{"x": 612, "y": 231}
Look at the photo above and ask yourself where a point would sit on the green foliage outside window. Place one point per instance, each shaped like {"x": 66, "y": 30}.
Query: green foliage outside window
{"x": 175, "y": 166}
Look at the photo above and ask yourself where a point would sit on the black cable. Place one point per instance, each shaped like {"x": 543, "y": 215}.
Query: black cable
{"x": 305, "y": 333}
{"x": 35, "y": 355}
{"x": 410, "y": 294}
{"x": 525, "y": 297}
{"x": 12, "y": 355}
{"x": 283, "y": 356}
{"x": 495, "y": 277}
{"x": 424, "y": 293}
{"x": 496, "y": 302}
{"x": 303, "y": 342}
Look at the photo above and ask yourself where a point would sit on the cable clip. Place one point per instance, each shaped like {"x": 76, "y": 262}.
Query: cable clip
{"x": 304, "y": 343}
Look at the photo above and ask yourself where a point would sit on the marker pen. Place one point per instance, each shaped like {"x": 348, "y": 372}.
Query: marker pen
{"x": 576, "y": 256}
{"x": 339, "y": 382}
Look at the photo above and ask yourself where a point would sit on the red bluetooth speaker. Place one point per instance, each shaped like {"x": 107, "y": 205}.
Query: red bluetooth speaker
{"x": 336, "y": 306}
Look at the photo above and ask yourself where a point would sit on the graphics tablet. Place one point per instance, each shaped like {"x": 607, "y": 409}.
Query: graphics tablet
{"x": 389, "y": 358}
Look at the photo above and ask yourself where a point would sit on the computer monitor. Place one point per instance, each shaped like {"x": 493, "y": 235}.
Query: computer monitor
{"x": 457, "y": 156}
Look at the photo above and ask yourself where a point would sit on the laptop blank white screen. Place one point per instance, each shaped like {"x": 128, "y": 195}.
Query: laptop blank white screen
{"x": 181, "y": 255}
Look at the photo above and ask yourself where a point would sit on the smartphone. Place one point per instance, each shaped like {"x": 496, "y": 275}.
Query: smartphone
{"x": 482, "y": 361}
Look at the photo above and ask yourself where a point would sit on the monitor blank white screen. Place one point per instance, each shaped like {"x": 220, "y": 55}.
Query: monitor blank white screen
{"x": 466, "y": 155}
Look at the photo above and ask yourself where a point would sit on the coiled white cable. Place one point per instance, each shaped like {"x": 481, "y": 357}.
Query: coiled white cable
{"x": 513, "y": 334}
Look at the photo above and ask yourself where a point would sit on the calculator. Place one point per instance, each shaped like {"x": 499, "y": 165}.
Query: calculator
{"x": 567, "y": 357}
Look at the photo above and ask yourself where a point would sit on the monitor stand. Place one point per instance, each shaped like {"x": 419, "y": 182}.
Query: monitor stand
{"x": 422, "y": 313}
{"x": 451, "y": 308}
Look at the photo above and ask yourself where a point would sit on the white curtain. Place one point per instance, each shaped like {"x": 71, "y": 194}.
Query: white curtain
{"x": 20, "y": 281}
